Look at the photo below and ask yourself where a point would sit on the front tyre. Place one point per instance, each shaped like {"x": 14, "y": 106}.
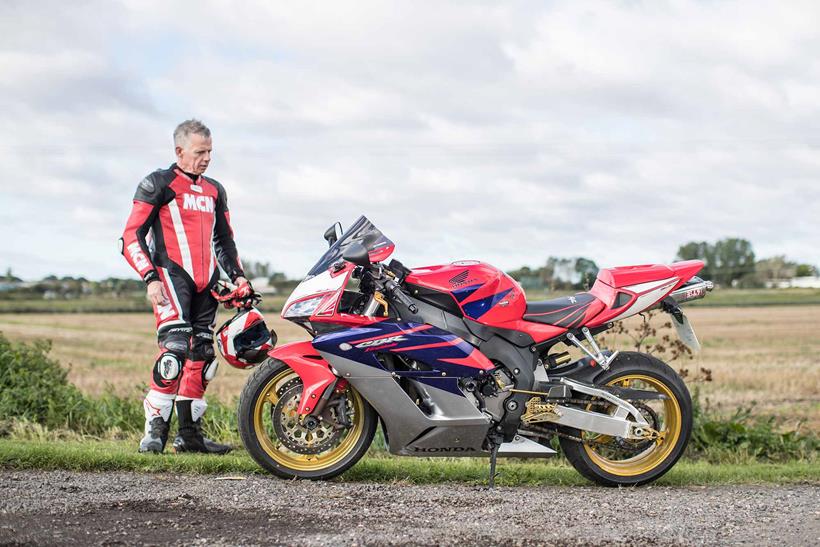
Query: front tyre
{"x": 614, "y": 461}
{"x": 279, "y": 440}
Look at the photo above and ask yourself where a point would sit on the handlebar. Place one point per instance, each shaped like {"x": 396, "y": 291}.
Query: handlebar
{"x": 396, "y": 292}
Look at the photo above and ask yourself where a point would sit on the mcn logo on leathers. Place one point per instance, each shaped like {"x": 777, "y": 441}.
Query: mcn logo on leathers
{"x": 198, "y": 203}
{"x": 137, "y": 256}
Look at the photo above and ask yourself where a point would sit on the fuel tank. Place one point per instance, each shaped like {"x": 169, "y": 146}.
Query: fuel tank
{"x": 478, "y": 290}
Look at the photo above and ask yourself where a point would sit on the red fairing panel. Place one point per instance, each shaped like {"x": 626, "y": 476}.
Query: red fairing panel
{"x": 484, "y": 293}
{"x": 315, "y": 373}
{"x": 639, "y": 287}
{"x": 686, "y": 269}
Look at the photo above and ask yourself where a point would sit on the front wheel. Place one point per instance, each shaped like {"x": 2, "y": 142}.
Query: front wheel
{"x": 288, "y": 446}
{"x": 615, "y": 461}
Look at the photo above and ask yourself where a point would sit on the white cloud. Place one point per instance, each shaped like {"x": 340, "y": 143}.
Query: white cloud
{"x": 504, "y": 132}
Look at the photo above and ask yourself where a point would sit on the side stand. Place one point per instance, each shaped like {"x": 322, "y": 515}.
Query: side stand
{"x": 493, "y": 458}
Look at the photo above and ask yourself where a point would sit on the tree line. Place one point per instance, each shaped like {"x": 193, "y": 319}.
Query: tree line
{"x": 729, "y": 262}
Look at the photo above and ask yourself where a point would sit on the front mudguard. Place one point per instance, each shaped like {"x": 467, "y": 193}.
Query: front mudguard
{"x": 312, "y": 369}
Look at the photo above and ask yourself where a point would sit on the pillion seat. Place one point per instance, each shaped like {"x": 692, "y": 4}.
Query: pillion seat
{"x": 566, "y": 312}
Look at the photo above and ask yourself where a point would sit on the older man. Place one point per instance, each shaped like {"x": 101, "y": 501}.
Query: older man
{"x": 179, "y": 228}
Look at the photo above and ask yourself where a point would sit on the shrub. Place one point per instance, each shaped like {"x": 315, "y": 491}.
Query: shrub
{"x": 34, "y": 390}
{"x": 34, "y": 387}
{"x": 742, "y": 437}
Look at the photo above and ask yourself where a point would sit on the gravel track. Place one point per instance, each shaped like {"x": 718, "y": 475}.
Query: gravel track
{"x": 59, "y": 508}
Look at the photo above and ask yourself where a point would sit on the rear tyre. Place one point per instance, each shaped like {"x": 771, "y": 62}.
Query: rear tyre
{"x": 277, "y": 438}
{"x": 614, "y": 461}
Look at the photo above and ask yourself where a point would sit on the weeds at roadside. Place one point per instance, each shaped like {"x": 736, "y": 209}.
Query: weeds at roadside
{"x": 38, "y": 403}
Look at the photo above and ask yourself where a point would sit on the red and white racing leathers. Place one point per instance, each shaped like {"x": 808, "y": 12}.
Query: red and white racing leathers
{"x": 179, "y": 228}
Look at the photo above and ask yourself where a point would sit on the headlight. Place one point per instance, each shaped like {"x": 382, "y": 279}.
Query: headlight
{"x": 305, "y": 308}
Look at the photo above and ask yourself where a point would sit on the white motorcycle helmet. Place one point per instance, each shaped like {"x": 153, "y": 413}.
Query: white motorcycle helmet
{"x": 244, "y": 340}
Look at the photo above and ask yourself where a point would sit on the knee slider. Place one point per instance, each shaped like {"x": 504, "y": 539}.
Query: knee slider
{"x": 168, "y": 366}
{"x": 174, "y": 344}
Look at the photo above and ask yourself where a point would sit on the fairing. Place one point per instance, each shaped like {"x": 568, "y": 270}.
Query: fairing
{"x": 317, "y": 297}
{"x": 312, "y": 369}
{"x": 482, "y": 292}
{"x": 446, "y": 356}
{"x": 362, "y": 231}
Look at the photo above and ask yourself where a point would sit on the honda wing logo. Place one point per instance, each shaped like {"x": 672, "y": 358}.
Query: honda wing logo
{"x": 459, "y": 280}
{"x": 380, "y": 342}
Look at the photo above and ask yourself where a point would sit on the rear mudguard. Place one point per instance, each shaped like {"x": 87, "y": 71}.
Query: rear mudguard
{"x": 312, "y": 369}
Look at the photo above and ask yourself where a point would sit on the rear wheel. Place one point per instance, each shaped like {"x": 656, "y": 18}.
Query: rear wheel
{"x": 289, "y": 446}
{"x": 614, "y": 461}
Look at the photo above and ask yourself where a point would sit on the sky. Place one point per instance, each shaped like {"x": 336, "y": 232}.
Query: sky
{"x": 500, "y": 131}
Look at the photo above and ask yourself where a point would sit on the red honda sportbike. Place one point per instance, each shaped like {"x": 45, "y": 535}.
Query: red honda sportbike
{"x": 453, "y": 361}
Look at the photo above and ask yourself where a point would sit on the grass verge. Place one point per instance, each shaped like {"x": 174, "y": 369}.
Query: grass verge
{"x": 121, "y": 456}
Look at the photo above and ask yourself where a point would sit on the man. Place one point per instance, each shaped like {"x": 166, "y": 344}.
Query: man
{"x": 179, "y": 228}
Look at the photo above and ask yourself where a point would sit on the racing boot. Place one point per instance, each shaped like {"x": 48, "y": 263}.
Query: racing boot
{"x": 158, "y": 409}
{"x": 190, "y": 438}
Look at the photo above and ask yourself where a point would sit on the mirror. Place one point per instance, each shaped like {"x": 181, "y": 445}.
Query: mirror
{"x": 333, "y": 233}
{"x": 357, "y": 254}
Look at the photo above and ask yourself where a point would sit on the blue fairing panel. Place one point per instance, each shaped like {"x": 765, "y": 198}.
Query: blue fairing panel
{"x": 424, "y": 343}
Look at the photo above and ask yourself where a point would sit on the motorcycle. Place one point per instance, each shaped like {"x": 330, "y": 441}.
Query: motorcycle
{"x": 453, "y": 361}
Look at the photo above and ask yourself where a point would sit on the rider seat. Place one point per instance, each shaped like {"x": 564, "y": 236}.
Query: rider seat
{"x": 566, "y": 312}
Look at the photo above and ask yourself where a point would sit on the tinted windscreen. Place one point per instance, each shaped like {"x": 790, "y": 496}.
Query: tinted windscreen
{"x": 361, "y": 231}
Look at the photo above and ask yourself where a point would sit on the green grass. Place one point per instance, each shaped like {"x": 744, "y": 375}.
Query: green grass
{"x": 91, "y": 455}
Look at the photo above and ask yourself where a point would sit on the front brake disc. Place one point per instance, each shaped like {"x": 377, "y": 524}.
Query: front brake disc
{"x": 291, "y": 430}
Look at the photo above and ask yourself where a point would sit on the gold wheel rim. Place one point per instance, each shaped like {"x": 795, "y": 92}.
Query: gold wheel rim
{"x": 660, "y": 449}
{"x": 285, "y": 457}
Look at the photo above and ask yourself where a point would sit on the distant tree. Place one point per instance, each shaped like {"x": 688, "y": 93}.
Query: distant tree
{"x": 559, "y": 273}
{"x": 727, "y": 261}
{"x": 805, "y": 270}
{"x": 10, "y": 277}
{"x": 699, "y": 250}
{"x": 520, "y": 273}
{"x": 776, "y": 267}
{"x": 587, "y": 270}
{"x": 734, "y": 259}
{"x": 255, "y": 269}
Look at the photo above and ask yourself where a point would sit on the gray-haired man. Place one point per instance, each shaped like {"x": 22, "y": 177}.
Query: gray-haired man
{"x": 179, "y": 228}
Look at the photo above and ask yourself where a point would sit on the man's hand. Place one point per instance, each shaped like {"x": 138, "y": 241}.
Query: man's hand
{"x": 239, "y": 281}
{"x": 156, "y": 293}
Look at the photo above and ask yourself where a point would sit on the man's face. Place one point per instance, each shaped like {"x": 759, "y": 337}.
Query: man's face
{"x": 195, "y": 157}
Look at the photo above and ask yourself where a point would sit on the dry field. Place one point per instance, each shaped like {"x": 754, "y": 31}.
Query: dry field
{"x": 767, "y": 357}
